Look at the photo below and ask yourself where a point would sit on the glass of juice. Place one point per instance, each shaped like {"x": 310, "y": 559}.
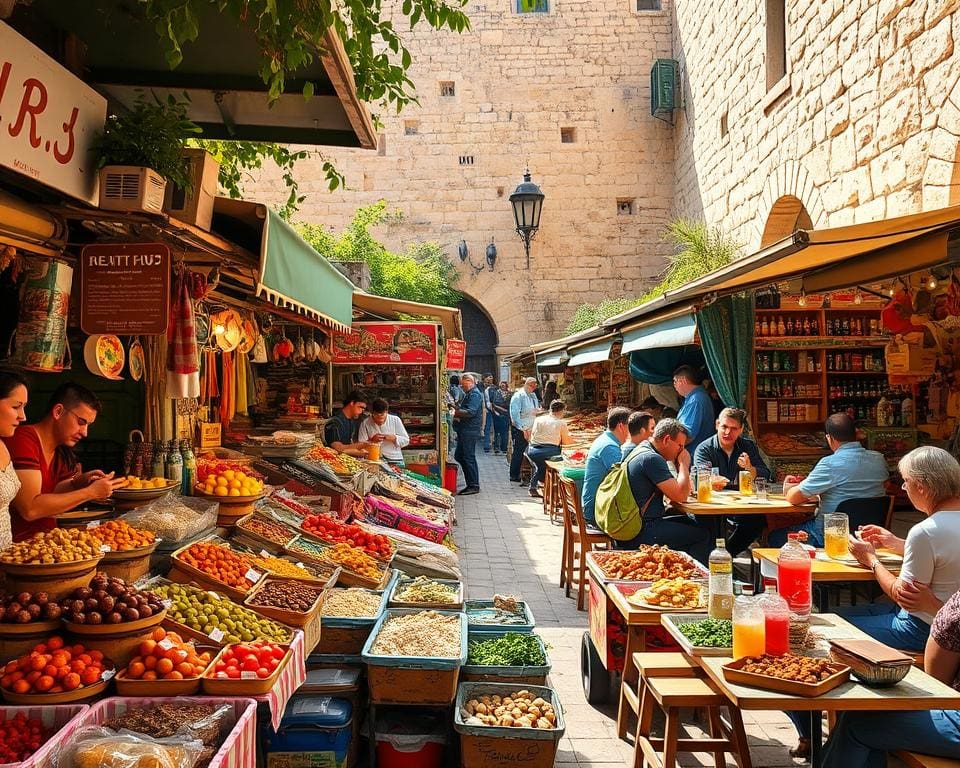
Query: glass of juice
{"x": 703, "y": 486}
{"x": 749, "y": 638}
{"x": 746, "y": 483}
{"x": 836, "y": 535}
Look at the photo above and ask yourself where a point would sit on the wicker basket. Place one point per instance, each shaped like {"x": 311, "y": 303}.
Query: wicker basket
{"x": 869, "y": 673}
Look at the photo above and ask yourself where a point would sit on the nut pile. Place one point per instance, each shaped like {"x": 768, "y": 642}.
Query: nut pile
{"x": 162, "y": 720}
{"x": 27, "y": 607}
{"x": 351, "y": 603}
{"x": 288, "y": 595}
{"x": 800, "y": 669}
{"x": 427, "y": 634}
{"x": 648, "y": 563}
{"x": 267, "y": 529}
{"x": 424, "y": 590}
{"x": 108, "y": 600}
{"x": 520, "y": 709}
{"x": 60, "y": 545}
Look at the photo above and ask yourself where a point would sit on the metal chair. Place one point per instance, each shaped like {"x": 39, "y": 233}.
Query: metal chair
{"x": 579, "y": 539}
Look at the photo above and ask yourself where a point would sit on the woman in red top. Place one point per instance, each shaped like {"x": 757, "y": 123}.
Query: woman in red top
{"x": 50, "y": 478}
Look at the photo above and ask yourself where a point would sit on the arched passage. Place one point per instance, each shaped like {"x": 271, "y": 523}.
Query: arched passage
{"x": 786, "y": 216}
{"x": 481, "y": 337}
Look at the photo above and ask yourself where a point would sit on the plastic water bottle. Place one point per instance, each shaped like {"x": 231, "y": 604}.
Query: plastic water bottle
{"x": 795, "y": 577}
{"x": 720, "y": 605}
{"x": 748, "y": 625}
{"x": 776, "y": 622}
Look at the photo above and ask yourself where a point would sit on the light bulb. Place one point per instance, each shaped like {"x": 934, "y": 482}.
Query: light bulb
{"x": 891, "y": 290}
{"x": 857, "y": 297}
{"x": 219, "y": 329}
{"x": 802, "y": 301}
{"x": 932, "y": 283}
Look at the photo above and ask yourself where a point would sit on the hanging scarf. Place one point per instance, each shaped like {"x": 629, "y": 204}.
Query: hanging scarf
{"x": 241, "y": 389}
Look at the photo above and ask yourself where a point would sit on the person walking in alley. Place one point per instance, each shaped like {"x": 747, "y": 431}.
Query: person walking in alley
{"x": 499, "y": 404}
{"x": 524, "y": 408}
{"x": 488, "y": 385}
{"x": 468, "y": 418}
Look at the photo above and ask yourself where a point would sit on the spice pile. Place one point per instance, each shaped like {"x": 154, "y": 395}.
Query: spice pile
{"x": 351, "y": 603}
{"x": 60, "y": 545}
{"x": 513, "y": 710}
{"x": 708, "y": 633}
{"x": 267, "y": 529}
{"x": 511, "y": 650}
{"x": 277, "y": 566}
{"x": 354, "y": 560}
{"x": 339, "y": 463}
{"x": 425, "y": 634}
{"x": 424, "y": 590}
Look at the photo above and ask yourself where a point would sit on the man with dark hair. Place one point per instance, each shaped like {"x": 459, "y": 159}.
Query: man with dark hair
{"x": 640, "y": 426}
{"x": 383, "y": 427}
{"x": 341, "y": 432}
{"x": 51, "y": 480}
{"x": 850, "y": 472}
{"x": 651, "y": 480}
{"x": 696, "y": 413}
{"x": 488, "y": 387}
{"x": 603, "y": 454}
{"x": 731, "y": 452}
{"x": 468, "y": 416}
{"x": 500, "y": 407}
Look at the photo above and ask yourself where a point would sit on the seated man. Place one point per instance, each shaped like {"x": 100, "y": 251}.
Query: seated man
{"x": 341, "y": 432}
{"x": 732, "y": 452}
{"x": 640, "y": 425}
{"x": 651, "y": 480}
{"x": 851, "y": 472}
{"x": 603, "y": 454}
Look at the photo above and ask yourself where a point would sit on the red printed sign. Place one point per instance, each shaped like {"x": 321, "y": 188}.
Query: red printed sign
{"x": 386, "y": 343}
{"x": 456, "y": 354}
{"x": 48, "y": 118}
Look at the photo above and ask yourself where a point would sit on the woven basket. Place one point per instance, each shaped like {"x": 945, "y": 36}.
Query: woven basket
{"x": 870, "y": 673}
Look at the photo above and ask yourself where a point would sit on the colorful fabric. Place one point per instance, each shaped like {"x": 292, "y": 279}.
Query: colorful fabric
{"x": 182, "y": 354}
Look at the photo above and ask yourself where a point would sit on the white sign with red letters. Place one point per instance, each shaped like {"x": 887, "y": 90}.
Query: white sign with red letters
{"x": 48, "y": 119}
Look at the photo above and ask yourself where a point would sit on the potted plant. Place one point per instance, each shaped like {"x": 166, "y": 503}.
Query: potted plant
{"x": 140, "y": 150}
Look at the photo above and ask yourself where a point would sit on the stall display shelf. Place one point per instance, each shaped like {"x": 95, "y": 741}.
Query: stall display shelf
{"x": 62, "y": 719}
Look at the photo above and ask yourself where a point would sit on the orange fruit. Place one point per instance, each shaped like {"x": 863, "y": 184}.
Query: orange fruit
{"x": 173, "y": 676}
{"x": 54, "y": 643}
{"x": 150, "y": 662}
{"x": 158, "y": 634}
{"x": 136, "y": 670}
{"x": 147, "y": 647}
{"x": 21, "y": 686}
{"x": 149, "y": 675}
{"x": 44, "y": 683}
{"x": 71, "y": 681}
{"x": 185, "y": 668}
{"x": 90, "y": 676}
{"x": 164, "y": 666}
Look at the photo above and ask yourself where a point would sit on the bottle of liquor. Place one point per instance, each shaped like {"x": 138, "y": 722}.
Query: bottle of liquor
{"x": 829, "y": 328}
{"x": 776, "y": 361}
{"x": 806, "y": 326}
{"x": 790, "y": 325}
{"x": 814, "y": 327}
{"x": 757, "y": 328}
{"x": 781, "y": 326}
{"x": 764, "y": 327}
{"x": 846, "y": 327}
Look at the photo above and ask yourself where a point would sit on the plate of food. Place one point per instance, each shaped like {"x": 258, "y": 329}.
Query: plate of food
{"x": 671, "y": 595}
{"x": 104, "y": 355}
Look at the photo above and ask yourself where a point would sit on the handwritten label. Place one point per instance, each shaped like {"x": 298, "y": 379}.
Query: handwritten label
{"x": 107, "y": 674}
{"x": 301, "y": 565}
{"x": 217, "y": 635}
{"x": 252, "y": 575}
{"x": 104, "y": 548}
{"x": 93, "y": 524}
{"x": 507, "y": 752}
{"x": 264, "y": 553}
{"x": 167, "y": 644}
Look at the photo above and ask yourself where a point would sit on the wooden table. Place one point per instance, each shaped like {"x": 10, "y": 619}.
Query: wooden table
{"x": 916, "y": 691}
{"x": 729, "y": 503}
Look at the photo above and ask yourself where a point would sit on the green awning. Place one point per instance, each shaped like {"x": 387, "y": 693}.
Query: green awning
{"x": 294, "y": 276}
{"x": 677, "y": 331}
{"x": 596, "y": 352}
{"x": 555, "y": 359}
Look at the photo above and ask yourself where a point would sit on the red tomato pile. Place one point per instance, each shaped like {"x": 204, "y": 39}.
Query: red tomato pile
{"x": 53, "y": 667}
{"x": 328, "y": 529}
{"x": 249, "y": 660}
{"x": 20, "y": 737}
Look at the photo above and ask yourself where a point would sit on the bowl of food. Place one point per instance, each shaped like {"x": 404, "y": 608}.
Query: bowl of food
{"x": 872, "y": 672}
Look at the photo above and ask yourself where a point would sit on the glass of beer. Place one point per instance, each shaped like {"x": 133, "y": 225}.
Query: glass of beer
{"x": 836, "y": 535}
{"x": 746, "y": 483}
{"x": 704, "y": 491}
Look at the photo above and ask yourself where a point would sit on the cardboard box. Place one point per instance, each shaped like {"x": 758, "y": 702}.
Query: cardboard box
{"x": 196, "y": 205}
{"x": 209, "y": 435}
{"x": 910, "y": 359}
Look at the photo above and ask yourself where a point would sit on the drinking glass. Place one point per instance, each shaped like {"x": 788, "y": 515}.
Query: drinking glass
{"x": 760, "y": 488}
{"x": 704, "y": 489}
{"x": 836, "y": 533}
{"x": 746, "y": 483}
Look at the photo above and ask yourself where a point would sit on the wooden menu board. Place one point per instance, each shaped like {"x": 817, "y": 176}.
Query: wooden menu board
{"x": 125, "y": 288}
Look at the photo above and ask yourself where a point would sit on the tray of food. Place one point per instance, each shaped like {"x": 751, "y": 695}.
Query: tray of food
{"x": 265, "y": 531}
{"x": 671, "y": 595}
{"x": 648, "y": 563}
{"x": 503, "y": 612}
{"x": 699, "y": 635}
{"x": 422, "y": 592}
{"x": 796, "y": 675}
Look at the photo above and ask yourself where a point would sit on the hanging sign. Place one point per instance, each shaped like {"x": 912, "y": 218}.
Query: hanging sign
{"x": 386, "y": 343}
{"x": 49, "y": 119}
{"x": 125, "y": 288}
{"x": 456, "y": 354}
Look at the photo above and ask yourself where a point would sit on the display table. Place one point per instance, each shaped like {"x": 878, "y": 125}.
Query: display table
{"x": 728, "y": 503}
{"x": 292, "y": 677}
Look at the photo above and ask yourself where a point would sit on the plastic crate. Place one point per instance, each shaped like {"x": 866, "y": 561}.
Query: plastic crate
{"x": 62, "y": 719}
{"x": 490, "y": 746}
{"x": 526, "y": 675}
{"x": 475, "y": 606}
{"x": 413, "y": 679}
{"x": 345, "y": 636}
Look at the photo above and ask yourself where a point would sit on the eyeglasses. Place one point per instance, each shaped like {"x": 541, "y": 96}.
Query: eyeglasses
{"x": 81, "y": 422}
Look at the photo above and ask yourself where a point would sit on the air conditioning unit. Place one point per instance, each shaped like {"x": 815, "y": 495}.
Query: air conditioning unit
{"x": 664, "y": 88}
{"x": 131, "y": 188}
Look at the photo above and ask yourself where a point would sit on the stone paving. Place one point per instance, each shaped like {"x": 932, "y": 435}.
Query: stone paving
{"x": 508, "y": 545}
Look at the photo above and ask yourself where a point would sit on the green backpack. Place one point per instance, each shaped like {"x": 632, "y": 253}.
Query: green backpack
{"x": 616, "y": 510}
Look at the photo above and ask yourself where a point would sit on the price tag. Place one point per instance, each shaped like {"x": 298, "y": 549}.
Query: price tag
{"x": 104, "y": 548}
{"x": 214, "y": 595}
{"x": 264, "y": 553}
{"x": 246, "y": 674}
{"x": 217, "y": 635}
{"x": 93, "y": 524}
{"x": 167, "y": 644}
{"x": 166, "y": 603}
{"x": 107, "y": 674}
{"x": 301, "y": 566}
{"x": 253, "y": 575}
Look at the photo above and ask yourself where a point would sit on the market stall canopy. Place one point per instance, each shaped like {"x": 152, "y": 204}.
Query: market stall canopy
{"x": 677, "y": 330}
{"x": 291, "y": 274}
{"x": 122, "y": 55}
{"x": 552, "y": 362}
{"x": 387, "y": 308}
{"x": 593, "y": 352}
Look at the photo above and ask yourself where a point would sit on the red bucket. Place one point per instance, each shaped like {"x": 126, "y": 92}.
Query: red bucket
{"x": 450, "y": 478}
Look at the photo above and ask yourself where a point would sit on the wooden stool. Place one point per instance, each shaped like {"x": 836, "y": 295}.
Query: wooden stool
{"x": 552, "y": 504}
{"x": 649, "y": 666}
{"x": 672, "y": 694}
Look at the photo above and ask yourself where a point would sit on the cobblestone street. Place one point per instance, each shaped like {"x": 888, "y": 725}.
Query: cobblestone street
{"x": 508, "y": 545}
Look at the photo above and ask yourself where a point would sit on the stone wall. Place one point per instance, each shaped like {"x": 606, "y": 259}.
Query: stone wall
{"x": 519, "y": 79}
{"x": 868, "y": 128}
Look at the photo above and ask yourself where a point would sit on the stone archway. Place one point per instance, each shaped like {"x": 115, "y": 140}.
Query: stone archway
{"x": 790, "y": 201}
{"x": 481, "y": 337}
{"x": 941, "y": 175}
{"x": 787, "y": 215}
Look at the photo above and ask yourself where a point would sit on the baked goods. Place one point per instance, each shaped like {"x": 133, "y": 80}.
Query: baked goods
{"x": 800, "y": 669}
{"x": 671, "y": 593}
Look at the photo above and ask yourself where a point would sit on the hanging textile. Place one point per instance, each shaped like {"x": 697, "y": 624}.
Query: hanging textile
{"x": 154, "y": 389}
{"x": 183, "y": 357}
{"x": 726, "y": 334}
{"x": 656, "y": 366}
{"x": 240, "y": 397}
{"x": 227, "y": 389}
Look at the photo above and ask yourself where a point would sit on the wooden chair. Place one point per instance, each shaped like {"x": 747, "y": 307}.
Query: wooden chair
{"x": 673, "y": 694}
{"x": 578, "y": 539}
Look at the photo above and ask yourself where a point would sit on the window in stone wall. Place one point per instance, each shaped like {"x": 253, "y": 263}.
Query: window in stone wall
{"x": 625, "y": 206}
{"x": 466, "y": 159}
{"x": 533, "y": 6}
{"x": 448, "y": 88}
{"x": 568, "y": 135}
{"x": 411, "y": 127}
{"x": 648, "y": 5}
{"x": 724, "y": 125}
{"x": 776, "y": 57}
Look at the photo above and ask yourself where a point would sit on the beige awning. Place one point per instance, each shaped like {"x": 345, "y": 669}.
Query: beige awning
{"x": 391, "y": 309}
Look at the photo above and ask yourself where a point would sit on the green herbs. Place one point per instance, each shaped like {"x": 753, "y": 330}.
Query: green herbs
{"x": 511, "y": 650}
{"x": 709, "y": 633}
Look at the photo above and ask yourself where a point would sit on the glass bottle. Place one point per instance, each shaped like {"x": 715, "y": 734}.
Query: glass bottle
{"x": 756, "y": 327}
{"x": 776, "y": 622}
{"x": 720, "y": 604}
{"x": 189, "y": 468}
{"x": 906, "y": 410}
{"x": 159, "y": 466}
{"x": 764, "y": 327}
{"x": 748, "y": 626}
{"x": 174, "y": 463}
{"x": 814, "y": 327}
{"x": 790, "y": 326}
{"x": 795, "y": 577}
{"x": 781, "y": 326}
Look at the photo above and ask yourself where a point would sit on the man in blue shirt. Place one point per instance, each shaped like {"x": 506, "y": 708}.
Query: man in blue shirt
{"x": 640, "y": 425}
{"x": 469, "y": 418}
{"x": 524, "y": 408}
{"x": 732, "y": 453}
{"x": 603, "y": 454}
{"x": 851, "y": 472}
{"x": 696, "y": 413}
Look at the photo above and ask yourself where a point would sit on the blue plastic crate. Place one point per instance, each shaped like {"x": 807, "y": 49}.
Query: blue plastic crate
{"x": 483, "y": 672}
{"x": 477, "y": 606}
{"x": 415, "y": 662}
{"x": 315, "y": 731}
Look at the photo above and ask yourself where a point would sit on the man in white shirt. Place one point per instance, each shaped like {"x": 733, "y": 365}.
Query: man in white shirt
{"x": 383, "y": 427}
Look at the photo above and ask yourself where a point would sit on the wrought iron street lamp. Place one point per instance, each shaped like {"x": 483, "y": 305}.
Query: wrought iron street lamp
{"x": 527, "y": 202}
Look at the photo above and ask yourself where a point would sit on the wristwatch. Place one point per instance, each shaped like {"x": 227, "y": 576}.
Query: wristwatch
{"x": 873, "y": 568}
